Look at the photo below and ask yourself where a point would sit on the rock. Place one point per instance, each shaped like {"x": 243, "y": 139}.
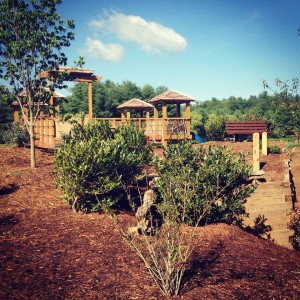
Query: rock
{"x": 147, "y": 215}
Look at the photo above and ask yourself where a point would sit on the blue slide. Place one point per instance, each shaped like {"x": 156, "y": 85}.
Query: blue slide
{"x": 197, "y": 138}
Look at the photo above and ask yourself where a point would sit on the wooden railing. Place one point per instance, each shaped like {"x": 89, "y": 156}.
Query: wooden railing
{"x": 156, "y": 129}
{"x": 49, "y": 130}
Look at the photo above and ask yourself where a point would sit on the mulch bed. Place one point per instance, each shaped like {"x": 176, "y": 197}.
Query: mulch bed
{"x": 48, "y": 252}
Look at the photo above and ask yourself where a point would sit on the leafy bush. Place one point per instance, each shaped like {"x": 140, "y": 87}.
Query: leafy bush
{"x": 194, "y": 185}
{"x": 217, "y": 177}
{"x": 274, "y": 149}
{"x": 215, "y": 127}
{"x": 14, "y": 134}
{"x": 294, "y": 224}
{"x": 95, "y": 165}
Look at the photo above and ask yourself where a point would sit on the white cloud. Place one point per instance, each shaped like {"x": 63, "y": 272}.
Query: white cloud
{"x": 109, "y": 52}
{"x": 151, "y": 36}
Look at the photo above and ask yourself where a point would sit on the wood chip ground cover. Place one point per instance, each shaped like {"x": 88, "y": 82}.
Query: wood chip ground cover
{"x": 48, "y": 252}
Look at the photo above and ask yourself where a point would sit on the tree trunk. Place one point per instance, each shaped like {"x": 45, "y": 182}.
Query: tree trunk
{"x": 32, "y": 145}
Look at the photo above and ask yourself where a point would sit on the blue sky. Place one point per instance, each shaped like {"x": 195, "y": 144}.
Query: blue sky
{"x": 203, "y": 48}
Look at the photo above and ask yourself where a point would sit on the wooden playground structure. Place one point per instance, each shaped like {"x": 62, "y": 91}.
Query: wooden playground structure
{"x": 158, "y": 127}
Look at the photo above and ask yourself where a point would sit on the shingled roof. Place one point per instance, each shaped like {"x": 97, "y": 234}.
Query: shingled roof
{"x": 172, "y": 97}
{"x": 135, "y": 104}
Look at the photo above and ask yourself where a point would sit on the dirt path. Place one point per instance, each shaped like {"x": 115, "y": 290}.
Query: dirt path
{"x": 47, "y": 252}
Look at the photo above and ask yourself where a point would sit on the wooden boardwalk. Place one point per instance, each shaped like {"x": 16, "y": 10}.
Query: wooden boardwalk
{"x": 272, "y": 203}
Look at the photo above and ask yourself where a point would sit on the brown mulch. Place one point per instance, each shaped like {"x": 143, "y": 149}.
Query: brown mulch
{"x": 48, "y": 252}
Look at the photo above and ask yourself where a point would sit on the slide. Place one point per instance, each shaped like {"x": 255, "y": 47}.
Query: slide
{"x": 197, "y": 138}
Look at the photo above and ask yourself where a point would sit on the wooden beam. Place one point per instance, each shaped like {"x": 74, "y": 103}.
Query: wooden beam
{"x": 164, "y": 110}
{"x": 90, "y": 99}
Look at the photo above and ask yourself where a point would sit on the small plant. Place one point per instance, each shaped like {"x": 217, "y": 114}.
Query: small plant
{"x": 274, "y": 149}
{"x": 14, "y": 134}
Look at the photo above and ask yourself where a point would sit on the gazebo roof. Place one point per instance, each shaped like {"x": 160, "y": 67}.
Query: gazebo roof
{"x": 55, "y": 94}
{"x": 135, "y": 104}
{"x": 74, "y": 74}
{"x": 172, "y": 97}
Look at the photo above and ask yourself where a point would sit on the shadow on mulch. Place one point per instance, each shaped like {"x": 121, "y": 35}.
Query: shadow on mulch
{"x": 6, "y": 190}
{"x": 7, "y": 222}
{"x": 200, "y": 267}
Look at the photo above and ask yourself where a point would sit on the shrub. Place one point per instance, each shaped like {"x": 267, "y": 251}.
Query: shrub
{"x": 194, "y": 184}
{"x": 95, "y": 165}
{"x": 294, "y": 224}
{"x": 215, "y": 127}
{"x": 274, "y": 149}
{"x": 220, "y": 179}
{"x": 14, "y": 134}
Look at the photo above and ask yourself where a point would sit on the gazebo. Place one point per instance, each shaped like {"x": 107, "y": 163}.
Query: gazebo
{"x": 173, "y": 128}
{"x": 76, "y": 75}
{"x": 135, "y": 105}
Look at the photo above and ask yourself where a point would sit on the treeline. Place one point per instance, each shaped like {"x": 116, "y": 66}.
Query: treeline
{"x": 107, "y": 95}
{"x": 208, "y": 117}
{"x": 281, "y": 110}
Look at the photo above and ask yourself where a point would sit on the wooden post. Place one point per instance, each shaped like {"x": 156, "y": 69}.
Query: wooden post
{"x": 264, "y": 144}
{"x": 164, "y": 125}
{"x": 256, "y": 163}
{"x": 147, "y": 114}
{"x": 16, "y": 116}
{"x": 155, "y": 112}
{"x": 188, "y": 121}
{"x": 178, "y": 112}
{"x": 122, "y": 115}
{"x": 164, "y": 110}
{"x": 165, "y": 132}
{"x": 90, "y": 97}
{"x": 114, "y": 124}
{"x": 128, "y": 115}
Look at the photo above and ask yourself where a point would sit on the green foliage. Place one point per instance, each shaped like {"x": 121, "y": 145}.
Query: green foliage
{"x": 294, "y": 224}
{"x": 6, "y": 112}
{"x": 95, "y": 165}
{"x": 13, "y": 134}
{"x": 274, "y": 149}
{"x": 213, "y": 179}
{"x": 107, "y": 96}
{"x": 194, "y": 185}
{"x": 215, "y": 128}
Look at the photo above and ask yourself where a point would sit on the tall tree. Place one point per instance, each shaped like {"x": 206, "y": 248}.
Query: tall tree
{"x": 287, "y": 103}
{"x": 32, "y": 38}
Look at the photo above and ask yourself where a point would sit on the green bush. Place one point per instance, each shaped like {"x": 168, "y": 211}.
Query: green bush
{"x": 294, "y": 224}
{"x": 95, "y": 165}
{"x": 14, "y": 134}
{"x": 274, "y": 149}
{"x": 217, "y": 182}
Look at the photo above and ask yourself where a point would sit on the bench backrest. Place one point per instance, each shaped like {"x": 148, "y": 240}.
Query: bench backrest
{"x": 246, "y": 127}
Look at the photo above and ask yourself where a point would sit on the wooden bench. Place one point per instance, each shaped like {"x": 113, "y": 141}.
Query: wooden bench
{"x": 246, "y": 127}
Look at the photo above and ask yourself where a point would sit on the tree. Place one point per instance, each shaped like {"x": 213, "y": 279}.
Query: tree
{"x": 6, "y": 114}
{"x": 286, "y": 101}
{"x": 215, "y": 127}
{"x": 32, "y": 38}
